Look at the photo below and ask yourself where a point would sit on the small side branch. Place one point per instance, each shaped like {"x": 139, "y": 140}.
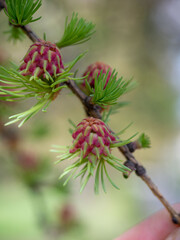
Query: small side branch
{"x": 26, "y": 29}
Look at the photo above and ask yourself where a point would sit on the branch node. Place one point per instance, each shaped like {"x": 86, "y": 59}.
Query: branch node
{"x": 140, "y": 170}
{"x": 131, "y": 146}
{"x": 130, "y": 165}
{"x": 175, "y": 220}
{"x": 92, "y": 109}
{"x": 87, "y": 101}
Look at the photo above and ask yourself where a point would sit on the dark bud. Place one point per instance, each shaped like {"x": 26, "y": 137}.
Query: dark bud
{"x": 140, "y": 170}
{"x": 131, "y": 146}
{"x": 175, "y": 220}
{"x": 2, "y": 5}
{"x": 130, "y": 165}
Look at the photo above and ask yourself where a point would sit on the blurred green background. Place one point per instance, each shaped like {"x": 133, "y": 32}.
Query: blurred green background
{"x": 140, "y": 39}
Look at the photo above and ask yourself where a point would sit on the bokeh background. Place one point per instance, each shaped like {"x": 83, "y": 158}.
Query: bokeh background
{"x": 141, "y": 39}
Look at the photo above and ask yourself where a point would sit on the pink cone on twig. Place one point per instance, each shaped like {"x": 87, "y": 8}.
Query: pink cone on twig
{"x": 93, "y": 138}
{"x": 94, "y": 70}
{"x": 42, "y": 60}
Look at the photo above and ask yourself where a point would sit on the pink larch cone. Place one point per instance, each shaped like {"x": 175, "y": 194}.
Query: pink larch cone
{"x": 92, "y": 147}
{"x": 94, "y": 70}
{"x": 42, "y": 59}
{"x": 93, "y": 138}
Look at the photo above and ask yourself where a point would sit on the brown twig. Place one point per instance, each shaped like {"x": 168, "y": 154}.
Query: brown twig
{"x": 27, "y": 30}
{"x": 90, "y": 109}
{"x": 95, "y": 111}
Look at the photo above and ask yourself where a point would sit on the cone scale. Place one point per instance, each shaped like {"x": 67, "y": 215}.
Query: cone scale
{"x": 94, "y": 70}
{"x": 43, "y": 60}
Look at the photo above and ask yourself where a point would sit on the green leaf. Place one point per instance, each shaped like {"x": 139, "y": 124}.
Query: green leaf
{"x": 72, "y": 123}
{"x": 77, "y": 31}
{"x": 72, "y": 63}
{"x": 24, "y": 116}
{"x": 20, "y": 12}
{"x": 110, "y": 180}
{"x": 15, "y": 34}
{"x": 120, "y": 167}
{"x": 115, "y": 108}
{"x": 70, "y": 176}
{"x": 107, "y": 89}
{"x": 122, "y": 143}
{"x": 88, "y": 87}
{"x": 124, "y": 129}
{"x": 85, "y": 182}
{"x": 144, "y": 140}
{"x": 102, "y": 178}
{"x": 83, "y": 171}
{"x": 96, "y": 184}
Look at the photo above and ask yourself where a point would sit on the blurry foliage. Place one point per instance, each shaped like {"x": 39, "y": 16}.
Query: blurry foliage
{"x": 40, "y": 130}
{"x": 15, "y": 34}
{"x": 31, "y": 169}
